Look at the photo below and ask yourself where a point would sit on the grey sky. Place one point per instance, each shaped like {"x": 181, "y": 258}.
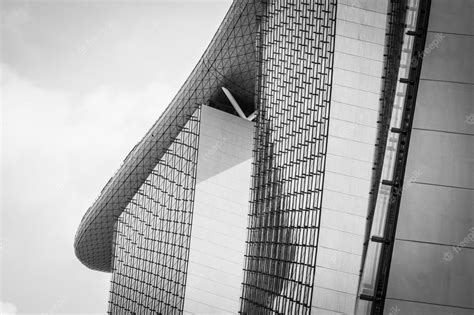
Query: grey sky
{"x": 81, "y": 82}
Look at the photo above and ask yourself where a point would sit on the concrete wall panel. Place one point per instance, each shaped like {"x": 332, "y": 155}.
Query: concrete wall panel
{"x": 444, "y": 106}
{"x": 352, "y": 134}
{"x": 454, "y": 16}
{"x": 220, "y": 214}
{"x": 448, "y": 57}
{"x": 431, "y": 273}
{"x": 442, "y": 215}
{"x": 433, "y": 255}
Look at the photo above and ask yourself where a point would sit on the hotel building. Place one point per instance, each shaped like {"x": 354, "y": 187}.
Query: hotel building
{"x": 318, "y": 159}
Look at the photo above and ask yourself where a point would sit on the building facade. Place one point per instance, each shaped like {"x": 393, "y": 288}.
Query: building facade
{"x": 317, "y": 160}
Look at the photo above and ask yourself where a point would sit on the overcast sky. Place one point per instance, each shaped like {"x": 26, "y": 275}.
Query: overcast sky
{"x": 81, "y": 82}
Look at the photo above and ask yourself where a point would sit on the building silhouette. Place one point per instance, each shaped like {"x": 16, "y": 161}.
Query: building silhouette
{"x": 317, "y": 160}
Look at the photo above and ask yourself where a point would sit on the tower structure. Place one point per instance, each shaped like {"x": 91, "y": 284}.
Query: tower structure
{"x": 295, "y": 170}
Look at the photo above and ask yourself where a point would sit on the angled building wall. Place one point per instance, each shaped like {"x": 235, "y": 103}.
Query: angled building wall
{"x": 353, "y": 121}
{"x": 335, "y": 91}
{"x": 216, "y": 259}
{"x": 433, "y": 254}
{"x": 419, "y": 261}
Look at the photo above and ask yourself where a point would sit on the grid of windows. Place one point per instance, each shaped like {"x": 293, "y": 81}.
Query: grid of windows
{"x": 296, "y": 45}
{"x": 152, "y": 236}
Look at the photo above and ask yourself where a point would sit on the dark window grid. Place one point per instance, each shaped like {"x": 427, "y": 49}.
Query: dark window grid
{"x": 151, "y": 287}
{"x": 138, "y": 241}
{"x": 287, "y": 129}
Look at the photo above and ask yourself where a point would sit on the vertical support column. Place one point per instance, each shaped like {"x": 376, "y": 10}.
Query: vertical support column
{"x": 391, "y": 220}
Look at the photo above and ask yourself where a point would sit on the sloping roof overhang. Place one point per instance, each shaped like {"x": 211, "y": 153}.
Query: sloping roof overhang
{"x": 231, "y": 61}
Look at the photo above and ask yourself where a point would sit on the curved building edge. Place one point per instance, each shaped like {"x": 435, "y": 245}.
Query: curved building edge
{"x": 235, "y": 38}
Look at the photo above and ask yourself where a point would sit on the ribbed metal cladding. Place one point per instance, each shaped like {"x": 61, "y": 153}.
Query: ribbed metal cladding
{"x": 152, "y": 235}
{"x": 296, "y": 45}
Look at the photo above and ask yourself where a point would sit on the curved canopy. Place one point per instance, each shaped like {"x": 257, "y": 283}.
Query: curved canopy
{"x": 230, "y": 61}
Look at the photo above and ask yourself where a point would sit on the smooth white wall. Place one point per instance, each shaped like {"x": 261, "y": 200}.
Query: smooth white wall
{"x": 221, "y": 206}
{"x": 358, "y": 64}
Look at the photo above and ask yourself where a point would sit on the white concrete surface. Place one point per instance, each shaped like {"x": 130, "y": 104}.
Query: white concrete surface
{"x": 358, "y": 63}
{"x": 216, "y": 258}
